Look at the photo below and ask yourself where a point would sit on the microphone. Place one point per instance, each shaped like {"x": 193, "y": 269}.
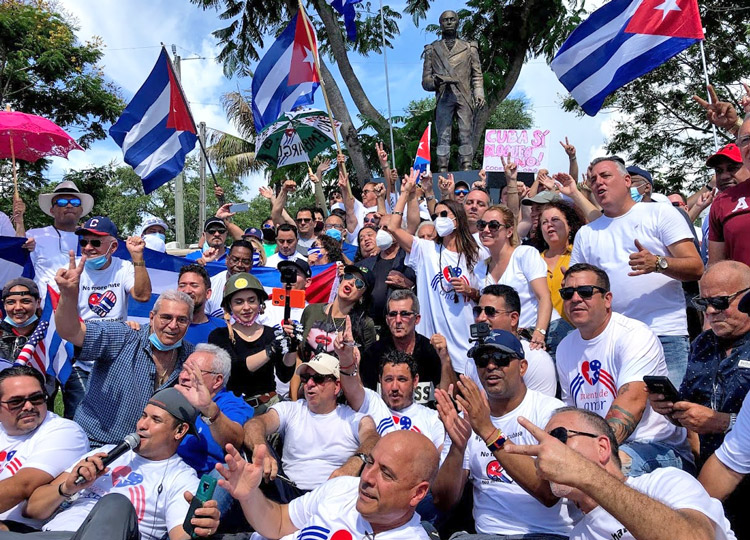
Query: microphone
{"x": 129, "y": 443}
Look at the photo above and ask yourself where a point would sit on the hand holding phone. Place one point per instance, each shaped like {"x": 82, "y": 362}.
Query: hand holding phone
{"x": 659, "y": 384}
{"x": 239, "y": 207}
{"x": 205, "y": 493}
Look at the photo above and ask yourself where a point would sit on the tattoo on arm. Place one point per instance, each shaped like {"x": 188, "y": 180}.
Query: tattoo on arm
{"x": 622, "y": 422}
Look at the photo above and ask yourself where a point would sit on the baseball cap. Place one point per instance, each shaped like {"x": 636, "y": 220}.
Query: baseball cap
{"x": 500, "y": 340}
{"x": 253, "y": 231}
{"x": 743, "y": 306}
{"x": 172, "y": 401}
{"x": 367, "y": 275}
{"x": 98, "y": 225}
{"x": 149, "y": 222}
{"x": 298, "y": 264}
{"x": 462, "y": 184}
{"x": 729, "y": 151}
{"x": 322, "y": 363}
{"x": 23, "y": 282}
{"x": 544, "y": 197}
{"x": 635, "y": 170}
{"x": 214, "y": 221}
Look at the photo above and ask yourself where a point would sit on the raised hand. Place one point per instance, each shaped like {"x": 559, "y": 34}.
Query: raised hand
{"x": 19, "y": 208}
{"x": 457, "y": 428}
{"x": 240, "y": 478}
{"x": 475, "y": 406}
{"x": 511, "y": 168}
{"x": 446, "y": 185}
{"x": 343, "y": 344}
{"x": 382, "y": 155}
{"x": 67, "y": 279}
{"x": 642, "y": 262}
{"x": 705, "y": 199}
{"x": 745, "y": 100}
{"x": 135, "y": 245}
{"x": 209, "y": 256}
{"x": 569, "y": 148}
{"x": 266, "y": 192}
{"x": 439, "y": 342}
{"x": 289, "y": 186}
{"x": 223, "y": 211}
{"x": 544, "y": 179}
{"x": 218, "y": 191}
{"x": 340, "y": 159}
{"x": 720, "y": 113}
{"x": 323, "y": 166}
{"x": 409, "y": 183}
{"x": 197, "y": 393}
{"x": 565, "y": 183}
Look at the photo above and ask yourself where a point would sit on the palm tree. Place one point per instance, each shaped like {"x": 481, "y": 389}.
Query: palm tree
{"x": 235, "y": 155}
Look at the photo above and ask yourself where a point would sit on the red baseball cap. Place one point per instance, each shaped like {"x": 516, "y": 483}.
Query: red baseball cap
{"x": 730, "y": 151}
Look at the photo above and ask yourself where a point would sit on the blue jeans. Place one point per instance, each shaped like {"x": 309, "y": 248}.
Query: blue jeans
{"x": 74, "y": 390}
{"x": 558, "y": 329}
{"x": 676, "y": 352}
{"x": 646, "y": 457}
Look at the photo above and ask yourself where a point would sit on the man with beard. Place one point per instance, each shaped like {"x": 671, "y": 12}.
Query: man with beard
{"x": 194, "y": 281}
{"x": 239, "y": 259}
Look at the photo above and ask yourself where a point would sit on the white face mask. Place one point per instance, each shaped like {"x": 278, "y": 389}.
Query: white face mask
{"x": 383, "y": 239}
{"x": 444, "y": 226}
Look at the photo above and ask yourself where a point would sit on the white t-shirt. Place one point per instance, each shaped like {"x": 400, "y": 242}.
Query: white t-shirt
{"x": 592, "y": 372}
{"x": 374, "y": 407}
{"x": 524, "y": 266}
{"x": 139, "y": 479}
{"x": 315, "y": 445}
{"x": 443, "y": 311}
{"x": 500, "y": 505}
{"x": 484, "y": 253}
{"x": 51, "y": 448}
{"x": 734, "y": 452}
{"x": 417, "y": 417}
{"x": 654, "y": 299}
{"x": 213, "y": 304}
{"x": 673, "y": 487}
{"x": 274, "y": 260}
{"x": 103, "y": 294}
{"x": 330, "y": 511}
{"x": 50, "y": 254}
{"x": 540, "y": 374}
{"x": 6, "y": 227}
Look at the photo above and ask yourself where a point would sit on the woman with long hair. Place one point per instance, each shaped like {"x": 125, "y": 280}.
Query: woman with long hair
{"x": 516, "y": 266}
{"x": 446, "y": 285}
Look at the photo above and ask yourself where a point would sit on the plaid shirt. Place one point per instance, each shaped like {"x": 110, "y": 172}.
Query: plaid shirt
{"x": 122, "y": 379}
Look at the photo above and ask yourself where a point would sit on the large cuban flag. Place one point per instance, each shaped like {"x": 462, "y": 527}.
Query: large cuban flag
{"x": 621, "y": 41}
{"x": 156, "y": 130}
{"x": 286, "y": 77}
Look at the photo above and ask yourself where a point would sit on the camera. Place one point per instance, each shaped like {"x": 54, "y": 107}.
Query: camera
{"x": 288, "y": 276}
{"x": 479, "y": 332}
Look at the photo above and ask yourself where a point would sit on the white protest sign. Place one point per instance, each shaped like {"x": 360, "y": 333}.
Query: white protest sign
{"x": 528, "y": 147}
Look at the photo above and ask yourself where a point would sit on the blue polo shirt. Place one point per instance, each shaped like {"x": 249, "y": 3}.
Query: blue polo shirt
{"x": 202, "y": 452}
{"x": 198, "y": 333}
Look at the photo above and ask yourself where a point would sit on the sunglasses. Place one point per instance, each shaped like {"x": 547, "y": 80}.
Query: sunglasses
{"x": 358, "y": 282}
{"x": 62, "y": 203}
{"x": 304, "y": 220}
{"x": 677, "y": 204}
{"x": 719, "y": 303}
{"x": 584, "y": 291}
{"x": 216, "y": 231}
{"x": 488, "y": 310}
{"x": 371, "y": 220}
{"x": 499, "y": 358}
{"x": 404, "y": 314}
{"x": 461, "y": 191}
{"x": 442, "y": 213}
{"x": 266, "y": 226}
{"x": 94, "y": 243}
{"x": 562, "y": 434}
{"x": 317, "y": 378}
{"x": 15, "y": 404}
{"x": 494, "y": 225}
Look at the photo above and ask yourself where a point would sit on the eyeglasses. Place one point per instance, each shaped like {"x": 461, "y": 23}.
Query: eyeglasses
{"x": 16, "y": 403}
{"x": 166, "y": 319}
{"x": 562, "y": 434}
{"x": 444, "y": 213}
{"x": 358, "y": 282}
{"x": 330, "y": 226}
{"x": 494, "y": 225}
{"x": 719, "y": 303}
{"x": 62, "y": 203}
{"x": 304, "y": 220}
{"x": 743, "y": 141}
{"x": 488, "y": 310}
{"x": 216, "y": 231}
{"x": 584, "y": 291}
{"x": 94, "y": 243}
{"x": 204, "y": 371}
{"x": 461, "y": 191}
{"x": 404, "y": 314}
{"x": 236, "y": 260}
{"x": 316, "y": 378}
{"x": 371, "y": 220}
{"x": 677, "y": 204}
{"x": 499, "y": 358}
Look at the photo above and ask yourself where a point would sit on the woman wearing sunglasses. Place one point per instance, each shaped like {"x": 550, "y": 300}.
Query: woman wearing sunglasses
{"x": 559, "y": 223}
{"x": 516, "y": 266}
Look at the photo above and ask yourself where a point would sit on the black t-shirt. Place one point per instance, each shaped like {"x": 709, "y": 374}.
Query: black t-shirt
{"x": 428, "y": 366}
{"x": 380, "y": 291}
{"x": 242, "y": 380}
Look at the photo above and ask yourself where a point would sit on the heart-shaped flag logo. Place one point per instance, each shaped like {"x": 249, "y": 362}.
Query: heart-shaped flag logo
{"x": 590, "y": 371}
{"x": 120, "y": 473}
{"x": 102, "y": 304}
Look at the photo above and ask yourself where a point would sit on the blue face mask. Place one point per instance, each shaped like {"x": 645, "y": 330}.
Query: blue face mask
{"x": 14, "y": 324}
{"x": 636, "y": 195}
{"x": 156, "y": 342}
{"x": 335, "y": 234}
{"x": 205, "y": 247}
{"x": 159, "y": 235}
{"x": 96, "y": 263}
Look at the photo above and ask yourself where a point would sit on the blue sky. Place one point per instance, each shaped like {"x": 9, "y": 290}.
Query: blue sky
{"x": 133, "y": 30}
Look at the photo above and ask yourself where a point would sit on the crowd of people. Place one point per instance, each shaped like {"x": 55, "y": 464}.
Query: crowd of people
{"x": 570, "y": 361}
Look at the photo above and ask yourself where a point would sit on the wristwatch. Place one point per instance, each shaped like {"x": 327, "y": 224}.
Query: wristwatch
{"x": 541, "y": 331}
{"x": 208, "y": 420}
{"x": 661, "y": 264}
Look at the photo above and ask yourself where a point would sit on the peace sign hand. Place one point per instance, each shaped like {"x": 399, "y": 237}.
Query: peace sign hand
{"x": 382, "y": 155}
{"x": 569, "y": 148}
{"x": 511, "y": 168}
{"x": 67, "y": 279}
{"x": 720, "y": 113}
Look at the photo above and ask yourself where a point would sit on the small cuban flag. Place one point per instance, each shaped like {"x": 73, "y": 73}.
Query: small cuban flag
{"x": 422, "y": 159}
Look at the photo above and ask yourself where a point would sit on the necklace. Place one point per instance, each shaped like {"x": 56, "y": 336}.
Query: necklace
{"x": 161, "y": 378}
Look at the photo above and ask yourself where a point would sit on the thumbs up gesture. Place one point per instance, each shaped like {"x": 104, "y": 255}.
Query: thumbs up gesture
{"x": 642, "y": 261}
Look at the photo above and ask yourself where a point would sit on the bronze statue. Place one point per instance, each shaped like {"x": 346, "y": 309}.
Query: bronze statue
{"x": 451, "y": 70}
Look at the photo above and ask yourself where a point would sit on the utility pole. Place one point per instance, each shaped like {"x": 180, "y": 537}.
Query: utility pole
{"x": 179, "y": 182}
{"x": 202, "y": 172}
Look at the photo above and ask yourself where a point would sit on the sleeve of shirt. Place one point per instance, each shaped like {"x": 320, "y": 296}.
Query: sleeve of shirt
{"x": 6, "y": 227}
{"x": 374, "y": 407}
{"x": 577, "y": 255}
{"x": 715, "y": 226}
{"x": 127, "y": 276}
{"x": 734, "y": 452}
{"x": 303, "y": 508}
{"x": 284, "y": 410}
{"x": 104, "y": 340}
{"x": 414, "y": 258}
{"x": 176, "y": 505}
{"x": 672, "y": 225}
{"x": 641, "y": 354}
{"x": 236, "y": 410}
{"x": 62, "y": 446}
{"x": 532, "y": 265}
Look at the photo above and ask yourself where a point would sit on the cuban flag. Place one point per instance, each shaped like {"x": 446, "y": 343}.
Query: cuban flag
{"x": 422, "y": 159}
{"x": 156, "y": 130}
{"x": 14, "y": 260}
{"x": 346, "y": 8}
{"x": 621, "y": 41}
{"x": 286, "y": 77}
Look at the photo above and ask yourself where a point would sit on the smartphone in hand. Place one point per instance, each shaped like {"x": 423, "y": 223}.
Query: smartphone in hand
{"x": 659, "y": 384}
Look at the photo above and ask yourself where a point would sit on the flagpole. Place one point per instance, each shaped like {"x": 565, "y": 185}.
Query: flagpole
{"x": 429, "y": 136}
{"x": 705, "y": 74}
{"x": 322, "y": 83}
{"x": 387, "y": 84}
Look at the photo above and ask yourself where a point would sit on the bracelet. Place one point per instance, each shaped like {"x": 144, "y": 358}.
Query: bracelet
{"x": 346, "y": 366}
{"x": 429, "y": 198}
{"x": 352, "y": 374}
{"x": 60, "y": 491}
{"x": 498, "y": 443}
{"x": 574, "y": 158}
{"x": 398, "y": 213}
{"x": 142, "y": 263}
{"x": 509, "y": 192}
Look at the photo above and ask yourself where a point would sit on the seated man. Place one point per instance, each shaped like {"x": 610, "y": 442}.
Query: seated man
{"x": 147, "y": 489}
{"x": 193, "y": 280}
{"x": 601, "y": 366}
{"x": 35, "y": 444}
{"x": 578, "y": 456}
{"x": 321, "y": 439}
{"x": 239, "y": 259}
{"x": 381, "y": 504}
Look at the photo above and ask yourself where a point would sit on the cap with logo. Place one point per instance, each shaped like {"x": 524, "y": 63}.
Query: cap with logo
{"x": 367, "y": 276}
{"x": 322, "y": 363}
{"x": 98, "y": 225}
{"x": 172, "y": 401}
{"x": 253, "y": 231}
{"x": 66, "y": 188}
{"x": 500, "y": 340}
{"x": 240, "y": 282}
{"x": 729, "y": 151}
{"x": 634, "y": 170}
{"x": 152, "y": 221}
{"x": 214, "y": 221}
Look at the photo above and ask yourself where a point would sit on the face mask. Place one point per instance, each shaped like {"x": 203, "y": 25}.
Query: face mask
{"x": 14, "y": 324}
{"x": 444, "y": 226}
{"x": 269, "y": 235}
{"x": 156, "y": 342}
{"x": 636, "y": 195}
{"x": 96, "y": 263}
{"x": 335, "y": 234}
{"x": 205, "y": 247}
{"x": 159, "y": 235}
{"x": 383, "y": 239}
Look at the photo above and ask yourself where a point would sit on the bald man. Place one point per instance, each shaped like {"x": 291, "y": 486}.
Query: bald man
{"x": 396, "y": 476}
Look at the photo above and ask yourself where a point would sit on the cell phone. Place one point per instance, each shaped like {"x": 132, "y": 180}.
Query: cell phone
{"x": 239, "y": 207}
{"x": 659, "y": 384}
{"x": 205, "y": 493}
{"x": 296, "y": 297}
{"x": 451, "y": 271}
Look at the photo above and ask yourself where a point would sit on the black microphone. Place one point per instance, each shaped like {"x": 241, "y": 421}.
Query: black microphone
{"x": 129, "y": 443}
